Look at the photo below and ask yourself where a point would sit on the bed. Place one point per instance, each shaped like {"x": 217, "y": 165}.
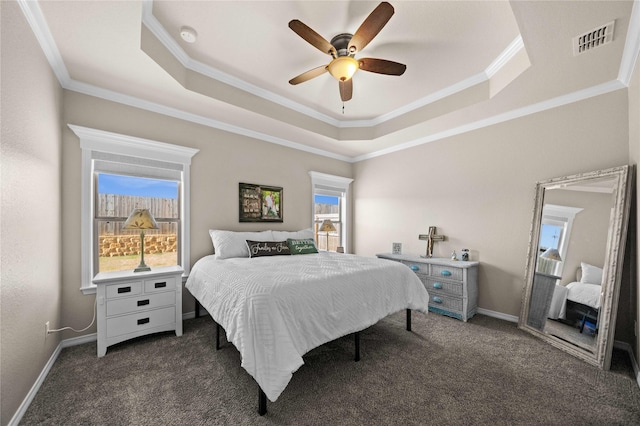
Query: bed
{"x": 275, "y": 308}
{"x": 579, "y": 301}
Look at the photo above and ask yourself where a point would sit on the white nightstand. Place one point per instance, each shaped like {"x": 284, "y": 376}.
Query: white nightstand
{"x": 135, "y": 304}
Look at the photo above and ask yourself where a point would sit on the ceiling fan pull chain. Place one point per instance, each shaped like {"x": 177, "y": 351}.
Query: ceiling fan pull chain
{"x": 343, "y": 108}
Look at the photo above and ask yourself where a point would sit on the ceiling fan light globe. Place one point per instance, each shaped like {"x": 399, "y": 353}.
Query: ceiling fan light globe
{"x": 343, "y": 68}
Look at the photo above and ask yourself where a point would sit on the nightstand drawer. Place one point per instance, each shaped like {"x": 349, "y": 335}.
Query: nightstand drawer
{"x": 144, "y": 302}
{"x": 160, "y": 284}
{"x": 446, "y": 272}
{"x": 140, "y": 321}
{"x": 130, "y": 288}
{"x": 442, "y": 286}
{"x": 445, "y": 302}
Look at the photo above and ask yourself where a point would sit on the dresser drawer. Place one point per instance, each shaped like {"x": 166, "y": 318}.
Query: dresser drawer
{"x": 418, "y": 268}
{"x": 160, "y": 284}
{"x": 441, "y": 286}
{"x": 446, "y": 272}
{"x": 143, "y": 302}
{"x": 130, "y": 288}
{"x": 445, "y": 302}
{"x": 140, "y": 321}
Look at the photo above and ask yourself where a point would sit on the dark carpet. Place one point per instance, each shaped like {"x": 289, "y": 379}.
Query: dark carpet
{"x": 486, "y": 371}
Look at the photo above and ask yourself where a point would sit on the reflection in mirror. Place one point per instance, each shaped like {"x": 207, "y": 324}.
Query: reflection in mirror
{"x": 575, "y": 262}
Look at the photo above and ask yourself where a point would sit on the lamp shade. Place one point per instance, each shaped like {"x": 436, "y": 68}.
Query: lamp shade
{"x": 343, "y": 68}
{"x": 551, "y": 254}
{"x": 140, "y": 219}
{"x": 327, "y": 226}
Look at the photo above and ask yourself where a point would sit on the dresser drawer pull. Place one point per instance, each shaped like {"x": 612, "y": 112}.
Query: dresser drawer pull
{"x": 437, "y": 285}
{"x": 437, "y": 299}
{"x": 124, "y": 290}
{"x": 415, "y": 268}
{"x": 445, "y": 273}
{"x": 161, "y": 285}
{"x": 143, "y": 321}
{"x": 143, "y": 302}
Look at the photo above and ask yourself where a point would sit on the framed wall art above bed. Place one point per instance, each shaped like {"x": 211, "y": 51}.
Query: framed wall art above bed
{"x": 260, "y": 203}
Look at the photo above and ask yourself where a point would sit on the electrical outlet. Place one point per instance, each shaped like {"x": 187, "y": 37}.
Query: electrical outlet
{"x": 46, "y": 329}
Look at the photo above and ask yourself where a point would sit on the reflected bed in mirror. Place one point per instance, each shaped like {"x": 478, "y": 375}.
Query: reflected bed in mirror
{"x": 574, "y": 263}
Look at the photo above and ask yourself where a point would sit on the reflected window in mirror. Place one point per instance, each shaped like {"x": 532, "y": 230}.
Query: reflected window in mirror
{"x": 555, "y": 234}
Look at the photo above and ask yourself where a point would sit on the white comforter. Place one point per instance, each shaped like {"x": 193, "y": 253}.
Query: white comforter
{"x": 587, "y": 294}
{"x": 277, "y": 308}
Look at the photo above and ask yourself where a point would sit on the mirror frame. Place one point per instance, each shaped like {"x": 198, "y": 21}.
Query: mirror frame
{"x": 613, "y": 263}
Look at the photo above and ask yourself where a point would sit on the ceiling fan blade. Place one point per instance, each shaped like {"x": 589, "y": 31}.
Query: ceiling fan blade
{"x": 346, "y": 89}
{"x": 308, "y": 75}
{"x": 382, "y": 66}
{"x": 312, "y": 37}
{"x": 371, "y": 27}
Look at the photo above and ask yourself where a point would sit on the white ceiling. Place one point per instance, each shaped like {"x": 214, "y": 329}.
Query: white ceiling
{"x": 469, "y": 64}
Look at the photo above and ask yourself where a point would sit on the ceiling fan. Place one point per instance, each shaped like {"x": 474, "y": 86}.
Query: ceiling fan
{"x": 343, "y": 48}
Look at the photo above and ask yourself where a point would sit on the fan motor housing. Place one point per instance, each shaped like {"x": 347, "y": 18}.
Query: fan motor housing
{"x": 341, "y": 43}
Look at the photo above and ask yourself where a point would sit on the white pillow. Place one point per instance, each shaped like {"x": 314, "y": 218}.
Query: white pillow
{"x": 591, "y": 274}
{"x": 228, "y": 244}
{"x": 305, "y": 234}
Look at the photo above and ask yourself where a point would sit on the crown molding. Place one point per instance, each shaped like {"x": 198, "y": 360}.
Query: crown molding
{"x": 631, "y": 47}
{"x": 40, "y": 28}
{"x": 559, "y": 101}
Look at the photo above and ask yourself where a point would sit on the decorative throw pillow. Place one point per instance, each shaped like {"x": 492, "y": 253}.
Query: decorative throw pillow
{"x": 267, "y": 248}
{"x": 591, "y": 274}
{"x": 227, "y": 244}
{"x": 305, "y": 246}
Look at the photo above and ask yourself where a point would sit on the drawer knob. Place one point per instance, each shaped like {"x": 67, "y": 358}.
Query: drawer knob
{"x": 143, "y": 302}
{"x": 437, "y": 285}
{"x": 143, "y": 321}
{"x": 445, "y": 273}
{"x": 161, "y": 285}
{"x": 437, "y": 299}
{"x": 415, "y": 268}
{"x": 124, "y": 289}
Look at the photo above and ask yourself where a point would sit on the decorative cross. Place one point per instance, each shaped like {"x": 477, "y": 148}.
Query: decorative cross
{"x": 431, "y": 238}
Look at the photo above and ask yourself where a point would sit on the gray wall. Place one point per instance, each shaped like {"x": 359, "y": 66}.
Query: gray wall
{"x": 30, "y": 253}
{"x": 478, "y": 188}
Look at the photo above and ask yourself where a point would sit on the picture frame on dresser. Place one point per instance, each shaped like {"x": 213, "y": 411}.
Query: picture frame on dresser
{"x": 452, "y": 284}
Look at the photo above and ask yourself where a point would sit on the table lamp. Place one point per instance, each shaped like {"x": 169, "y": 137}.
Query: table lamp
{"x": 327, "y": 226}
{"x": 141, "y": 219}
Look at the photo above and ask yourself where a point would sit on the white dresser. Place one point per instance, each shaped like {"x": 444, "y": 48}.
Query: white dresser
{"x": 135, "y": 304}
{"x": 452, "y": 284}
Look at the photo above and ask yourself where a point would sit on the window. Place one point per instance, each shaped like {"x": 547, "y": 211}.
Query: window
{"x": 116, "y": 196}
{"x": 330, "y": 204}
{"x": 120, "y": 173}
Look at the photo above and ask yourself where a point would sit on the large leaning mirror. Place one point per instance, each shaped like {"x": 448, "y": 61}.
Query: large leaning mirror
{"x": 574, "y": 263}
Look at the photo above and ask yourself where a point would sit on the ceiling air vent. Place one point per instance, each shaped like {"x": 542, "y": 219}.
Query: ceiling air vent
{"x": 594, "y": 38}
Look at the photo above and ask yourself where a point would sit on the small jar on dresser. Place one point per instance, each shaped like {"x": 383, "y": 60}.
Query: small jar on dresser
{"x": 133, "y": 304}
{"x": 452, "y": 284}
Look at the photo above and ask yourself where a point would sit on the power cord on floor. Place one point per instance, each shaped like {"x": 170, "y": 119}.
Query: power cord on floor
{"x": 95, "y": 307}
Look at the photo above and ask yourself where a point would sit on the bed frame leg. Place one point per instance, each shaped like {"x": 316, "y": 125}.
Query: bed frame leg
{"x": 262, "y": 402}
{"x": 408, "y": 319}
{"x": 217, "y": 336}
{"x": 357, "y": 338}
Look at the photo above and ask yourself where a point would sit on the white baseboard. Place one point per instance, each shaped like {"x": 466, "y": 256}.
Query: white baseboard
{"x": 499, "y": 315}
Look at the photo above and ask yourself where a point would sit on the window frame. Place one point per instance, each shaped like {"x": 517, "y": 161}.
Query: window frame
{"x": 94, "y": 141}
{"x": 327, "y": 183}
{"x": 97, "y": 219}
